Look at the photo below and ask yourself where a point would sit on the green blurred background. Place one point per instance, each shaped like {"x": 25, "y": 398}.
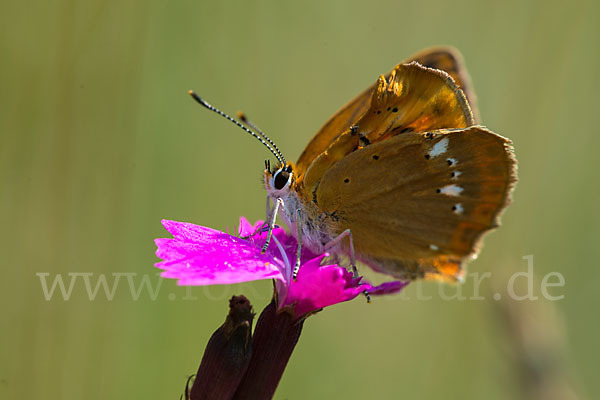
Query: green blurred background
{"x": 100, "y": 141}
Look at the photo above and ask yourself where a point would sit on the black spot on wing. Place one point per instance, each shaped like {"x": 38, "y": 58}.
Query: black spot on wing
{"x": 314, "y": 192}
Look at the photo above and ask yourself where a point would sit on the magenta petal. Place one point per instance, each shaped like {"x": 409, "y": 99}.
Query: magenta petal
{"x": 204, "y": 256}
{"x": 320, "y": 286}
{"x": 387, "y": 288}
{"x": 246, "y": 228}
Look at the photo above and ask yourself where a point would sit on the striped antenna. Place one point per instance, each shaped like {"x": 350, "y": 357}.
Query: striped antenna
{"x": 242, "y": 117}
{"x": 277, "y": 154}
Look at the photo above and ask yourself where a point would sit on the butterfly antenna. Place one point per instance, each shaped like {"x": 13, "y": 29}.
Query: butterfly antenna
{"x": 242, "y": 117}
{"x": 200, "y": 100}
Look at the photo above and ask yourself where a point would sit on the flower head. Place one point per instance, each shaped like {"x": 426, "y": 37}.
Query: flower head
{"x": 200, "y": 256}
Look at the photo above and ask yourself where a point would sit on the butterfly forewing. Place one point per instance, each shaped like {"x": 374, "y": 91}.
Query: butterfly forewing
{"x": 413, "y": 99}
{"x": 443, "y": 58}
{"x": 449, "y": 60}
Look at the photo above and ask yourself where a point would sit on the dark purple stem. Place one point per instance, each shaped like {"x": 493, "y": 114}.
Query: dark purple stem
{"x": 227, "y": 354}
{"x": 273, "y": 342}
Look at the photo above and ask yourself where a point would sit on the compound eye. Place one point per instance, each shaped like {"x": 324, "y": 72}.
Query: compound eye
{"x": 280, "y": 179}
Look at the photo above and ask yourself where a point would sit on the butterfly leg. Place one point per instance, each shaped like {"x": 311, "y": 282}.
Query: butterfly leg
{"x": 299, "y": 249}
{"x": 272, "y": 224}
{"x": 335, "y": 242}
{"x": 264, "y": 226}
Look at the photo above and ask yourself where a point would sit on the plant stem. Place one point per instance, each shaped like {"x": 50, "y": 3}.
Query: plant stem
{"x": 273, "y": 342}
{"x": 227, "y": 354}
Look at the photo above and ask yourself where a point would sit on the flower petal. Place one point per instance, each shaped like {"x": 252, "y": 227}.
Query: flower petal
{"x": 387, "y": 288}
{"x": 246, "y": 228}
{"x": 319, "y": 286}
{"x": 204, "y": 256}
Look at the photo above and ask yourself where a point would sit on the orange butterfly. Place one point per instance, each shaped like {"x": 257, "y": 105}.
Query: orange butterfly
{"x": 401, "y": 178}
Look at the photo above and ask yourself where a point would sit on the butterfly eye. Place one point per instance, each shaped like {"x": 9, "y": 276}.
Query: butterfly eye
{"x": 280, "y": 179}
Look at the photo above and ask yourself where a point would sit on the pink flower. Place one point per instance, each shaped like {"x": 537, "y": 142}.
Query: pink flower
{"x": 203, "y": 256}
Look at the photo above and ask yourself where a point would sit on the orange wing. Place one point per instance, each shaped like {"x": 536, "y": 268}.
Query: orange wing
{"x": 449, "y": 60}
{"x": 444, "y": 58}
{"x": 418, "y": 203}
{"x": 412, "y": 99}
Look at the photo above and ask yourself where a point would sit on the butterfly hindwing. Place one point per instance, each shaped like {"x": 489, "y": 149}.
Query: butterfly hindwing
{"x": 418, "y": 203}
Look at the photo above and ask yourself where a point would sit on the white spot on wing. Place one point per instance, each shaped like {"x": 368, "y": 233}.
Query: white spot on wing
{"x": 452, "y": 161}
{"x": 451, "y": 190}
{"x": 458, "y": 209}
{"x": 456, "y": 174}
{"x": 439, "y": 148}
{"x": 433, "y": 247}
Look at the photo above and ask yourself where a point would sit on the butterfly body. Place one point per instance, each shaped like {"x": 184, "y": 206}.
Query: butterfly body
{"x": 411, "y": 177}
{"x": 315, "y": 233}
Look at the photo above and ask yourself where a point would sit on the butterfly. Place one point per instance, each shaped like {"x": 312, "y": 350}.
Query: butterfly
{"x": 402, "y": 178}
